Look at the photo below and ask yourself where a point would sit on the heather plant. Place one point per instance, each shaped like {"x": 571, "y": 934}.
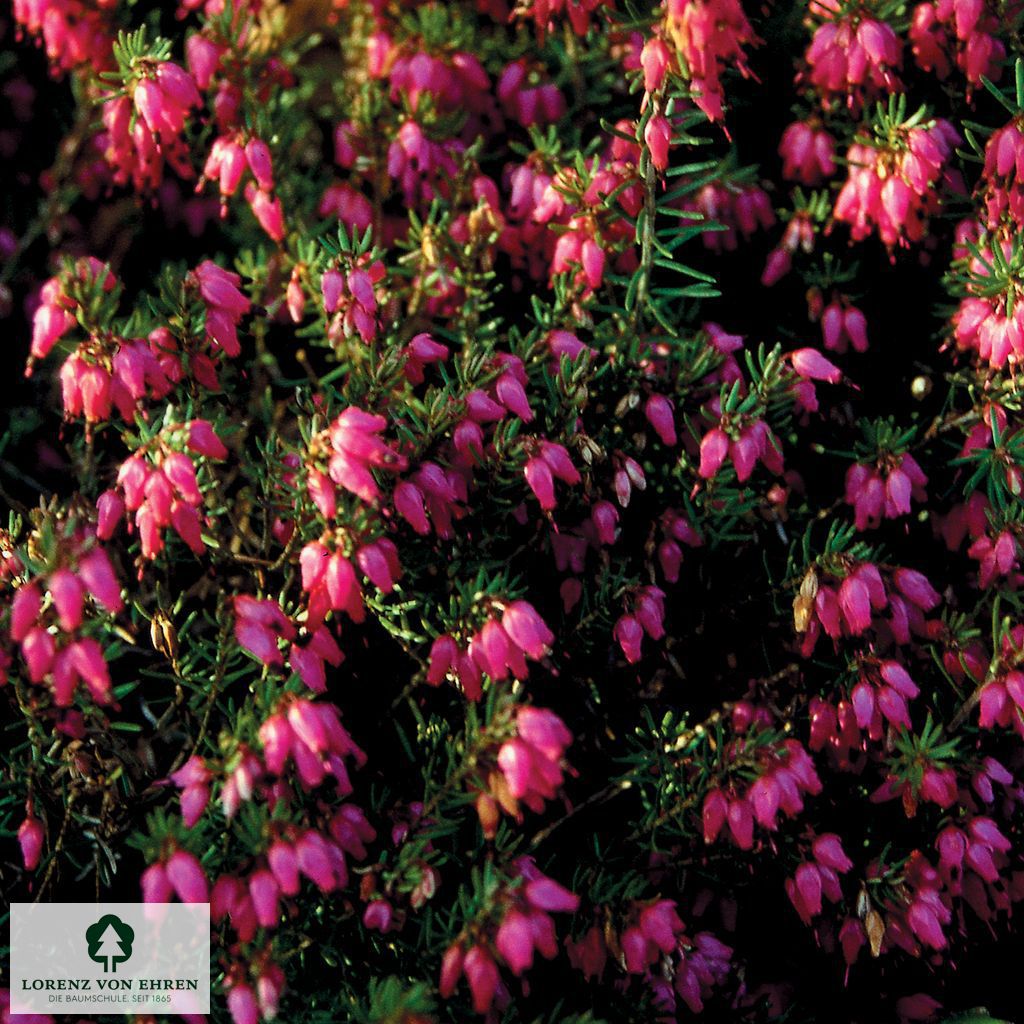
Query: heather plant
{"x": 518, "y": 507}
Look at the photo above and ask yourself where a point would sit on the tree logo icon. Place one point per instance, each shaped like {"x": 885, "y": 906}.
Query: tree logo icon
{"x": 110, "y": 942}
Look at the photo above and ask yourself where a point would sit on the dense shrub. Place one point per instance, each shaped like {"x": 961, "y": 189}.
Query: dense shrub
{"x": 521, "y": 509}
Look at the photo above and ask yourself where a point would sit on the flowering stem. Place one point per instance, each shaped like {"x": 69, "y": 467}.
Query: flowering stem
{"x": 650, "y": 209}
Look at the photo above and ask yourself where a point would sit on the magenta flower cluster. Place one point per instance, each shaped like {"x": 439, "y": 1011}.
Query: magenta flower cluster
{"x": 519, "y": 506}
